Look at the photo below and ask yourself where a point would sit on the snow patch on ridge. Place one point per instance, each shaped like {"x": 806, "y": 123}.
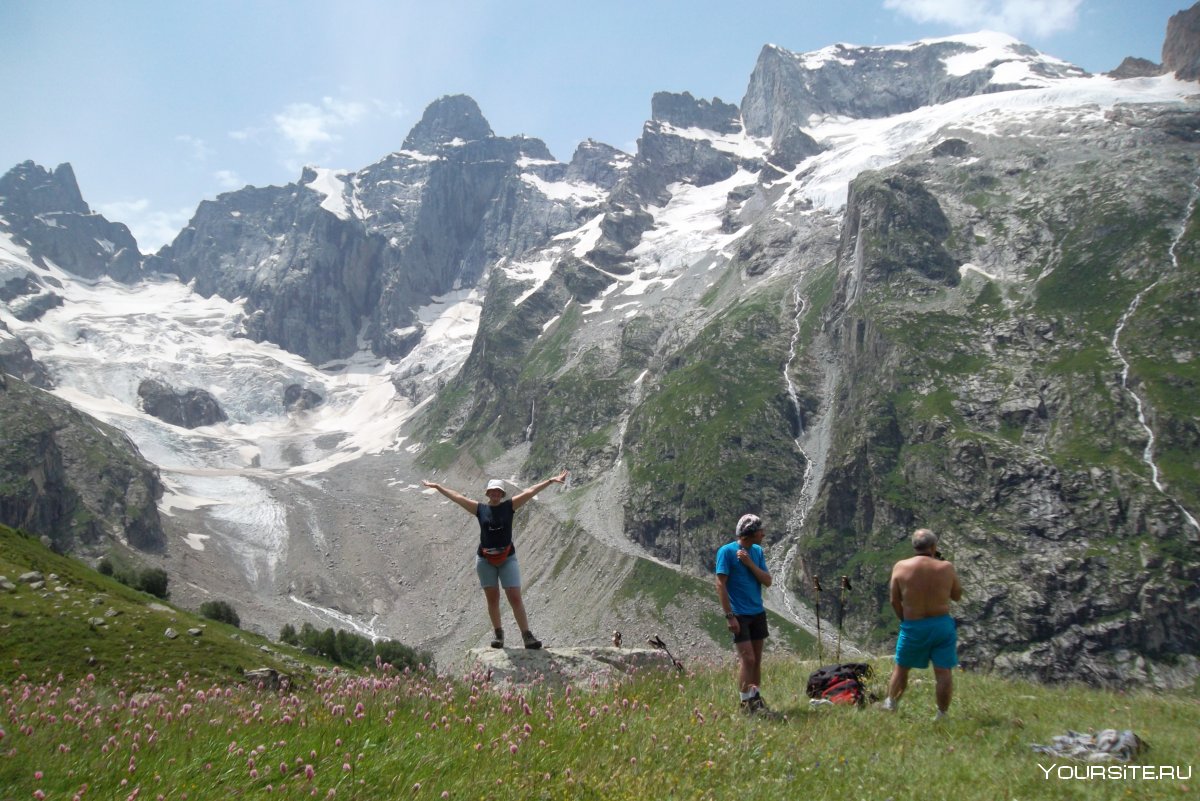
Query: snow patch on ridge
{"x": 331, "y": 184}
{"x": 856, "y": 145}
{"x": 737, "y": 144}
{"x": 583, "y": 194}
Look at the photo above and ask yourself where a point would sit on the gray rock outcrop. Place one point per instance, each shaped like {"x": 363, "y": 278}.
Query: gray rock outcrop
{"x": 1181, "y": 49}
{"x": 598, "y": 164}
{"x": 1136, "y": 68}
{"x": 297, "y": 398}
{"x": 17, "y": 360}
{"x": 46, "y": 209}
{"x": 191, "y": 408}
{"x": 453, "y": 119}
{"x": 685, "y": 111}
{"x": 559, "y": 667}
{"x": 73, "y": 478}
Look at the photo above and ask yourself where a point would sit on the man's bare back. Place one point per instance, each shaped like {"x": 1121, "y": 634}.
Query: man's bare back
{"x": 923, "y": 586}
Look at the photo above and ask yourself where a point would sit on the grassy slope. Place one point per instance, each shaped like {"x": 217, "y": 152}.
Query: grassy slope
{"x": 47, "y": 631}
{"x": 659, "y": 735}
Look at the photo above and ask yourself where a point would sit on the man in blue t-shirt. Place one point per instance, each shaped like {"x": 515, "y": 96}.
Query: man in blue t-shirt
{"x": 741, "y": 575}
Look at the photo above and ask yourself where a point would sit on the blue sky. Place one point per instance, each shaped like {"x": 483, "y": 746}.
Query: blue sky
{"x": 159, "y": 104}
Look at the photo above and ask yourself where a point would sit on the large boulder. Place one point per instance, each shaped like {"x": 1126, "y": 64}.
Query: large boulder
{"x": 558, "y": 667}
{"x": 189, "y": 409}
{"x": 16, "y": 359}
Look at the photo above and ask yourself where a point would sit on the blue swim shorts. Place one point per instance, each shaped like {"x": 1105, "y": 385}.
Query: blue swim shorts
{"x": 506, "y": 575}
{"x": 930, "y": 637}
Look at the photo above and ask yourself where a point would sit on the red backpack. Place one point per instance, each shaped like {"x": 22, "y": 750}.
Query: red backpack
{"x": 840, "y": 684}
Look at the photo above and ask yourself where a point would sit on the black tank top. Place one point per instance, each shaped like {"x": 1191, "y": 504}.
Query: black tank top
{"x": 495, "y": 525}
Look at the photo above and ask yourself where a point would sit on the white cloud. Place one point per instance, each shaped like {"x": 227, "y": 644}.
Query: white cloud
{"x": 312, "y": 133}
{"x": 151, "y": 228}
{"x": 1015, "y": 17}
{"x": 245, "y": 134}
{"x": 198, "y": 147}
{"x": 228, "y": 179}
{"x": 304, "y": 125}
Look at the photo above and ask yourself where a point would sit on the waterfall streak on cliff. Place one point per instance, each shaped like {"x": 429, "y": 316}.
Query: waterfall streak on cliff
{"x": 532, "y": 418}
{"x": 1148, "y": 452}
{"x": 635, "y": 395}
{"x": 790, "y": 544}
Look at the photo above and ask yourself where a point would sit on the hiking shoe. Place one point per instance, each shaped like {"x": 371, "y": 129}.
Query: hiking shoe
{"x": 498, "y": 640}
{"x": 531, "y": 642}
{"x": 757, "y": 707}
{"x": 754, "y": 705}
{"x": 888, "y": 705}
{"x": 940, "y": 716}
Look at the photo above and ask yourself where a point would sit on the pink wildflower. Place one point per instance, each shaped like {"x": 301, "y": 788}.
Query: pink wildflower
{"x": 309, "y": 771}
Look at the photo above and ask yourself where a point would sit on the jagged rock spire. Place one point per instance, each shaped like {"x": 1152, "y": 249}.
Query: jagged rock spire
{"x": 446, "y": 119}
{"x": 31, "y": 189}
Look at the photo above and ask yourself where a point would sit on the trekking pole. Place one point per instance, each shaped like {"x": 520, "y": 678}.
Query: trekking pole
{"x": 841, "y": 615}
{"x": 820, "y": 644}
{"x": 658, "y": 643}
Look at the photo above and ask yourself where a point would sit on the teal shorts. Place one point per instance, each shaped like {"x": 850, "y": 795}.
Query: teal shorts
{"x": 933, "y": 638}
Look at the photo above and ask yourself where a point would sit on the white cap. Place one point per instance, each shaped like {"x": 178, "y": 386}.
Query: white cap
{"x": 496, "y": 483}
{"x": 749, "y": 524}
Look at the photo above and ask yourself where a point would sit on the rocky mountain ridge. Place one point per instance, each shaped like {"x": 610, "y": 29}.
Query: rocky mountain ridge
{"x": 982, "y": 335}
{"x": 374, "y": 246}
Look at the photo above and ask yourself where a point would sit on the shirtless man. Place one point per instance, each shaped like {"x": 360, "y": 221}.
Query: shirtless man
{"x": 922, "y": 588}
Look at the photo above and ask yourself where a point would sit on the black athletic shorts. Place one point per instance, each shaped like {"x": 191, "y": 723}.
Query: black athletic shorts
{"x": 751, "y": 627}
